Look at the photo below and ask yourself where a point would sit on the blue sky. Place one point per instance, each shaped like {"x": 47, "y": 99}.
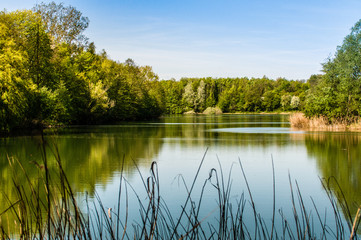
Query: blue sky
{"x": 217, "y": 38}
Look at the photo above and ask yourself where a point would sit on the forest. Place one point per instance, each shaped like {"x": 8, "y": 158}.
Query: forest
{"x": 51, "y": 74}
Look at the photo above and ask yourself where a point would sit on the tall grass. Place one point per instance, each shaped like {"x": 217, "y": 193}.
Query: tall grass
{"x": 299, "y": 120}
{"x": 59, "y": 215}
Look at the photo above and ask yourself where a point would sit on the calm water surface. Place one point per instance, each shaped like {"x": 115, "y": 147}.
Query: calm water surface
{"x": 93, "y": 156}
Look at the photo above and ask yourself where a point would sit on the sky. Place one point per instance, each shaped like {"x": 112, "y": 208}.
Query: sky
{"x": 217, "y": 38}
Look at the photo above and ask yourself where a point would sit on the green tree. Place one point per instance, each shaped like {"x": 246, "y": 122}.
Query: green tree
{"x": 200, "y": 100}
{"x": 173, "y": 96}
{"x": 24, "y": 64}
{"x": 271, "y": 100}
{"x": 337, "y": 95}
{"x": 254, "y": 94}
{"x": 286, "y": 101}
{"x": 211, "y": 92}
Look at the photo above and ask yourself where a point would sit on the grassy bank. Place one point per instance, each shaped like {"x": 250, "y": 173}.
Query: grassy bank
{"x": 300, "y": 121}
{"x": 51, "y": 210}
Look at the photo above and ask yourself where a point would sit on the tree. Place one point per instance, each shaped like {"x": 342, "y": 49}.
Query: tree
{"x": 173, "y": 96}
{"x": 189, "y": 95}
{"x": 255, "y": 90}
{"x": 337, "y": 95}
{"x": 271, "y": 100}
{"x": 65, "y": 24}
{"x": 212, "y": 92}
{"x": 24, "y": 63}
{"x": 286, "y": 101}
{"x": 295, "y": 102}
{"x": 200, "y": 97}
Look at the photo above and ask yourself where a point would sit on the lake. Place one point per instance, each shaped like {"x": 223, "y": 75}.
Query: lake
{"x": 93, "y": 158}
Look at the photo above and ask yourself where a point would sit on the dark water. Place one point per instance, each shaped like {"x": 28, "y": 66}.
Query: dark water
{"x": 92, "y": 158}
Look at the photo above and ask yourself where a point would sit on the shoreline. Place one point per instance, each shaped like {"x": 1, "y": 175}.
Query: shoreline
{"x": 299, "y": 121}
{"x": 239, "y": 113}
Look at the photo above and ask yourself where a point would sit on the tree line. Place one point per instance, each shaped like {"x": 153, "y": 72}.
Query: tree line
{"x": 51, "y": 74}
{"x": 233, "y": 95}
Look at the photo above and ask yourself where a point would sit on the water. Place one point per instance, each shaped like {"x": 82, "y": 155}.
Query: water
{"x": 92, "y": 158}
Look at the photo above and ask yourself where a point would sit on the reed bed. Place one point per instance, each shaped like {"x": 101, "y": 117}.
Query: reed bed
{"x": 60, "y": 216}
{"x": 300, "y": 121}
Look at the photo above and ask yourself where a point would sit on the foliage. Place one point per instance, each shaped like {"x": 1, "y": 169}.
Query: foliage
{"x": 65, "y": 24}
{"x": 295, "y": 102}
{"x": 286, "y": 101}
{"x": 337, "y": 94}
{"x": 50, "y": 74}
{"x": 233, "y": 94}
{"x": 16, "y": 83}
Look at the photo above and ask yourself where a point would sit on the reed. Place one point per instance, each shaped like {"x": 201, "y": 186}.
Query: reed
{"x": 60, "y": 216}
{"x": 300, "y": 121}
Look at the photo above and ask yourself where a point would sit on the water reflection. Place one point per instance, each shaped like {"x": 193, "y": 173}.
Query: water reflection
{"x": 338, "y": 155}
{"x": 92, "y": 156}
{"x": 227, "y": 130}
{"x": 264, "y": 130}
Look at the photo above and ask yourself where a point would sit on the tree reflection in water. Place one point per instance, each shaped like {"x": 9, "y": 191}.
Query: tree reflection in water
{"x": 338, "y": 156}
